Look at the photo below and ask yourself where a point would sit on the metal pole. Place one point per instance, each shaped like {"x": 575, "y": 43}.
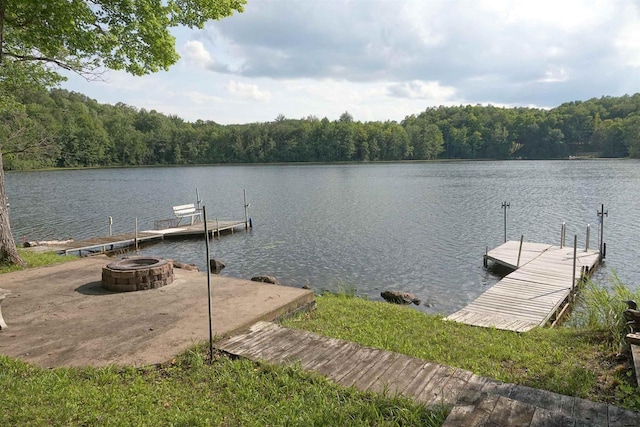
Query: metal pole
{"x": 519, "y": 252}
{"x": 206, "y": 241}
{"x": 198, "y": 200}
{"x": 563, "y": 232}
{"x": 110, "y": 226}
{"x": 505, "y": 205}
{"x": 246, "y": 212}
{"x": 601, "y": 215}
{"x": 575, "y": 259}
{"x": 485, "y": 261}
{"x": 586, "y": 243}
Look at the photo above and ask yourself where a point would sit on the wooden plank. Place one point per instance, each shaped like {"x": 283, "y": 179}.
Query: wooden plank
{"x": 308, "y": 349}
{"x": 470, "y": 415}
{"x": 407, "y": 376}
{"x": 543, "y": 399}
{"x": 354, "y": 375}
{"x": 386, "y": 381}
{"x": 338, "y": 358}
{"x": 316, "y": 347}
{"x": 618, "y": 417}
{"x": 432, "y": 391}
{"x": 454, "y": 386}
{"x": 472, "y": 394}
{"x": 419, "y": 382}
{"x": 509, "y": 412}
{"x": 327, "y": 352}
{"x": 545, "y": 418}
{"x": 386, "y": 360}
{"x": 593, "y": 412}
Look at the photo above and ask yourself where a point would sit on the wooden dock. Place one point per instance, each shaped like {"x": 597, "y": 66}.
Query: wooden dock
{"x": 476, "y": 401}
{"x": 128, "y": 240}
{"x": 534, "y": 293}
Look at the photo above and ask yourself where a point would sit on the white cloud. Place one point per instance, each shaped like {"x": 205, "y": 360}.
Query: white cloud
{"x": 194, "y": 51}
{"x": 202, "y": 98}
{"x": 384, "y": 59}
{"x": 416, "y": 89}
{"x": 555, "y": 75}
{"x": 628, "y": 44}
{"x": 247, "y": 91}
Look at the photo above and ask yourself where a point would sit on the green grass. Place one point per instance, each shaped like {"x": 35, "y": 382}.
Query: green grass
{"x": 36, "y": 259}
{"x": 571, "y": 361}
{"x": 189, "y": 391}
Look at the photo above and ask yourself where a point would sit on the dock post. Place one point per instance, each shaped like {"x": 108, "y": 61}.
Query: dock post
{"x": 601, "y": 215}
{"x": 520, "y": 251}
{"x": 136, "y": 235}
{"x": 217, "y": 228}
{"x": 575, "y": 260}
{"x": 206, "y": 241}
{"x": 110, "y": 226}
{"x": 586, "y": 243}
{"x": 505, "y": 205}
{"x": 246, "y": 212}
{"x": 563, "y": 232}
{"x": 485, "y": 261}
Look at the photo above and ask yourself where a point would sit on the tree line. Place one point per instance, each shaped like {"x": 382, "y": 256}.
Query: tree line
{"x": 80, "y": 132}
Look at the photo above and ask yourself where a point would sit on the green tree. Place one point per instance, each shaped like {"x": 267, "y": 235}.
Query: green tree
{"x": 38, "y": 37}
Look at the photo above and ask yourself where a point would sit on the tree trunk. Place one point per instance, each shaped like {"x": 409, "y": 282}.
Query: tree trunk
{"x": 8, "y": 251}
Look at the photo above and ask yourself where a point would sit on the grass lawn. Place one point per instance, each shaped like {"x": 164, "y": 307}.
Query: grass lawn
{"x": 36, "y": 259}
{"x": 565, "y": 360}
{"x": 190, "y": 391}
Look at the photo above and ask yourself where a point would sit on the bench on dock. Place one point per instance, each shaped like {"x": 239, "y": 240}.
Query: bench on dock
{"x": 186, "y": 211}
{"x": 3, "y": 293}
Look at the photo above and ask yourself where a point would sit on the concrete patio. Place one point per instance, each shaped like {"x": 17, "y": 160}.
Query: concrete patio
{"x": 61, "y": 316}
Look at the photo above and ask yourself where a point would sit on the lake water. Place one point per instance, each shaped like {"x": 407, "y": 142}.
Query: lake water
{"x": 419, "y": 227}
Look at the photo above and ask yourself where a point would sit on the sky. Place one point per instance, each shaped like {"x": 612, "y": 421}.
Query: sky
{"x": 387, "y": 59}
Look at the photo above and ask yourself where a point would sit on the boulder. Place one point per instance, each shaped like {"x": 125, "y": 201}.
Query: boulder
{"x": 399, "y": 297}
{"x": 216, "y": 265}
{"x": 185, "y": 266}
{"x": 265, "y": 279}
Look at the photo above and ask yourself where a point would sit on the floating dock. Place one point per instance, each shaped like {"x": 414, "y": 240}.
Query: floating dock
{"x": 535, "y": 293}
{"x": 128, "y": 240}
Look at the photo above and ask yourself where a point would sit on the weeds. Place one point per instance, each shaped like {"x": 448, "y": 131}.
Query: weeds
{"x": 601, "y": 309}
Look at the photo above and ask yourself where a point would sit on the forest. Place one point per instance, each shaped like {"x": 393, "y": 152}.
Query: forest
{"x": 76, "y": 131}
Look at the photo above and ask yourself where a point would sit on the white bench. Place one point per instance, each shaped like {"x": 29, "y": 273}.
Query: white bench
{"x": 3, "y": 293}
{"x": 186, "y": 211}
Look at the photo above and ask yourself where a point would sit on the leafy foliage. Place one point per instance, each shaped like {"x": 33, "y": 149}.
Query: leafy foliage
{"x": 83, "y": 132}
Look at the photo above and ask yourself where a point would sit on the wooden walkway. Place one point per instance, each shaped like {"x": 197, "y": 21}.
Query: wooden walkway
{"x": 476, "y": 401}
{"x": 128, "y": 240}
{"x": 534, "y": 293}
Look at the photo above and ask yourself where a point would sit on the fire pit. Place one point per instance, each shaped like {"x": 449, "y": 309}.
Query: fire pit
{"x": 137, "y": 274}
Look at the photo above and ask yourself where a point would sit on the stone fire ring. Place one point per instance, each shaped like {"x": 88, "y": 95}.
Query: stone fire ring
{"x": 137, "y": 274}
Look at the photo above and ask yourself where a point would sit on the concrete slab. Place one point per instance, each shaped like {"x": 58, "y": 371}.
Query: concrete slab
{"x": 60, "y": 315}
